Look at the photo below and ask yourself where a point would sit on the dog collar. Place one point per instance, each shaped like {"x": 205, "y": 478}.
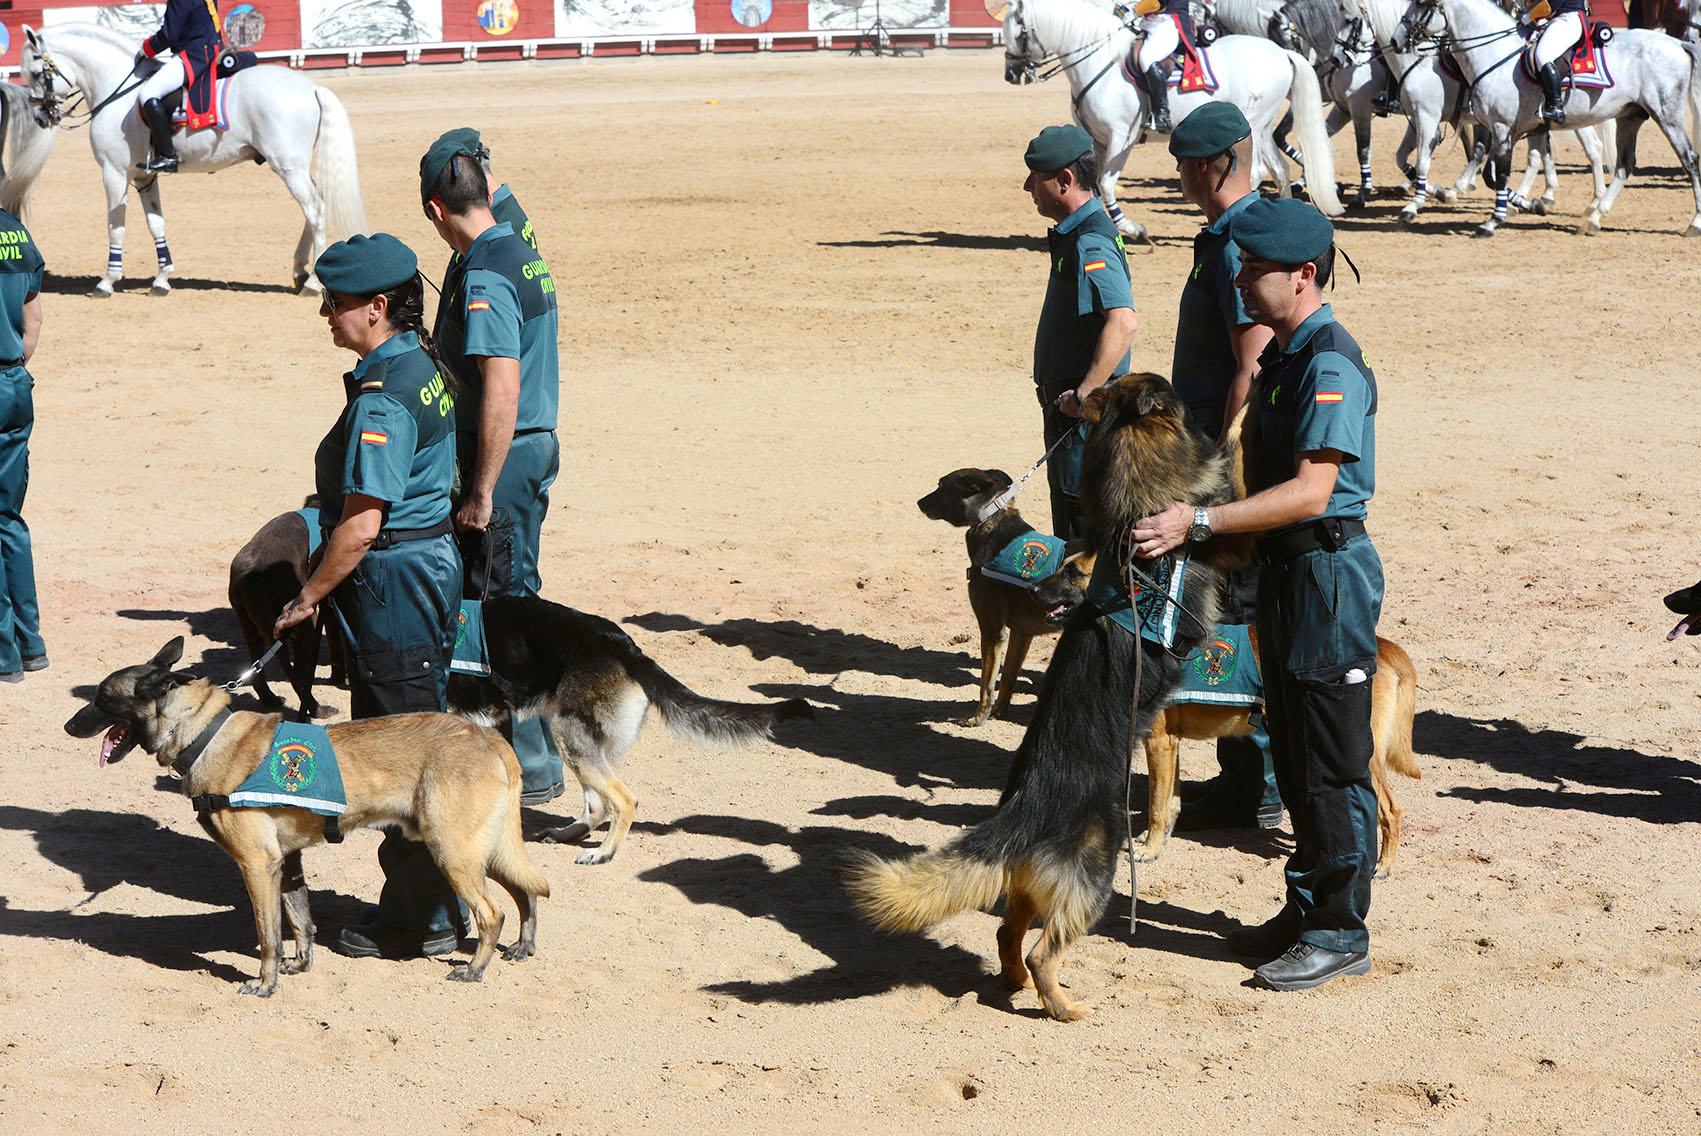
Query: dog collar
{"x": 995, "y": 506}
{"x": 192, "y": 752}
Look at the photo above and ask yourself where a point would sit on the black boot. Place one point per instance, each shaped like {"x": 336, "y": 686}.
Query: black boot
{"x": 1388, "y": 100}
{"x": 1158, "y": 89}
{"x": 158, "y": 119}
{"x": 1553, "y": 87}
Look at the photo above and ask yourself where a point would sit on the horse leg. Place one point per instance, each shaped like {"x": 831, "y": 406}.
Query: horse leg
{"x": 1111, "y": 162}
{"x": 1280, "y": 147}
{"x": 1672, "y": 125}
{"x": 1501, "y": 151}
{"x": 1624, "y": 163}
{"x": 1537, "y": 156}
{"x": 117, "y": 185}
{"x": 1467, "y": 180}
{"x": 1426, "y": 131}
{"x": 149, "y": 195}
{"x": 299, "y": 181}
{"x": 1361, "y": 139}
{"x": 1590, "y": 140}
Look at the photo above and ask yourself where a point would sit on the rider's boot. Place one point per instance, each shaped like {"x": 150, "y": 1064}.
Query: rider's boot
{"x": 1158, "y": 89}
{"x": 1387, "y": 101}
{"x": 1553, "y": 88}
{"x": 158, "y": 119}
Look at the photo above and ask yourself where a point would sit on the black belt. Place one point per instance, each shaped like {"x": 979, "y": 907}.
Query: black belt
{"x": 9, "y": 363}
{"x": 1329, "y": 535}
{"x": 400, "y": 536}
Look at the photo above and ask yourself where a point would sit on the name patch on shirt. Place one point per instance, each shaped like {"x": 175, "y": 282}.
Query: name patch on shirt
{"x": 374, "y": 437}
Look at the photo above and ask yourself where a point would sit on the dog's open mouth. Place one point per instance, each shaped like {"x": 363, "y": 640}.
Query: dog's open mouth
{"x": 114, "y": 745}
{"x": 1058, "y": 613}
{"x": 1685, "y": 626}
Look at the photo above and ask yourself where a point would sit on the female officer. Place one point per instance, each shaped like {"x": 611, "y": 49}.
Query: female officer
{"x": 190, "y": 31}
{"x": 390, "y": 568}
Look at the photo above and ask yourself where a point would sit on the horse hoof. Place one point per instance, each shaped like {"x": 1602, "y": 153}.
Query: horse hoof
{"x": 159, "y": 288}
{"x": 1591, "y": 228}
{"x": 1694, "y": 229}
{"x": 1484, "y": 231}
{"x": 1538, "y": 207}
{"x": 1408, "y": 216}
{"x": 99, "y": 293}
{"x": 1447, "y": 196}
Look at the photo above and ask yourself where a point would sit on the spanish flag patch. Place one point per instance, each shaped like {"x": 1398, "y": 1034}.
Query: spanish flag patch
{"x": 478, "y": 305}
{"x": 1092, "y": 266}
{"x": 374, "y": 437}
{"x": 1329, "y": 396}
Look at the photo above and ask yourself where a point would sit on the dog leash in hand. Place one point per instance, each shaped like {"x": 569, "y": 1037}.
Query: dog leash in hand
{"x": 1009, "y": 494}
{"x": 254, "y": 668}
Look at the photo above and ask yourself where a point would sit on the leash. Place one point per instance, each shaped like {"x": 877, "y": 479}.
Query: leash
{"x": 1009, "y": 494}
{"x": 254, "y": 668}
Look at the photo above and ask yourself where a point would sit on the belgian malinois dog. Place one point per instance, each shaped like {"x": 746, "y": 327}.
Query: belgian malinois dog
{"x": 451, "y": 783}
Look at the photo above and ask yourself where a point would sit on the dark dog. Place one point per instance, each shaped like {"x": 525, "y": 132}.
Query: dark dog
{"x": 264, "y": 576}
{"x": 1687, "y": 603}
{"x": 451, "y": 783}
{"x": 585, "y": 677}
{"x": 1008, "y": 614}
{"x": 1051, "y": 848}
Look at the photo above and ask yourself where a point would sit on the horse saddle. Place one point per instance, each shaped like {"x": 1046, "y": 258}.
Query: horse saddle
{"x": 1188, "y": 70}
{"x": 1584, "y": 66}
{"x": 230, "y": 62}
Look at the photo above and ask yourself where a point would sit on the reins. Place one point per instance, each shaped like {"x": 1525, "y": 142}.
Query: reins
{"x": 63, "y": 111}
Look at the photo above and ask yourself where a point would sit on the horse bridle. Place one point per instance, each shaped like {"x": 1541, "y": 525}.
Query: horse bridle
{"x": 1021, "y": 60}
{"x": 51, "y": 103}
{"x": 1024, "y": 63}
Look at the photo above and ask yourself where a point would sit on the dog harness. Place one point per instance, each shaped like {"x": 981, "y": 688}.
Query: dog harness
{"x": 299, "y": 771}
{"x": 1029, "y": 558}
{"x": 1154, "y": 614}
{"x": 1224, "y": 671}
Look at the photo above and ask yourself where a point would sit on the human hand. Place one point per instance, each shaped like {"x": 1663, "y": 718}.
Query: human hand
{"x": 1069, "y": 403}
{"x": 295, "y": 611}
{"x": 1159, "y": 533}
{"x": 474, "y": 513}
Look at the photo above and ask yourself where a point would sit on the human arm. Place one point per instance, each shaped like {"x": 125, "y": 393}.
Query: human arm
{"x": 1115, "y": 338}
{"x": 1248, "y": 342}
{"x": 497, "y": 414}
{"x": 1300, "y": 498}
{"x": 32, "y": 323}
{"x": 362, "y": 519}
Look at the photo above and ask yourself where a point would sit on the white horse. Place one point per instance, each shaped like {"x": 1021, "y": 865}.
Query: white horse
{"x": 27, "y": 144}
{"x": 277, "y": 116}
{"x": 1254, "y": 74}
{"x": 1243, "y": 17}
{"x": 1655, "y": 77}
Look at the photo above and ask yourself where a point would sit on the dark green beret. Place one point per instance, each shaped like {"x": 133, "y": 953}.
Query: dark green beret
{"x": 366, "y": 266}
{"x": 1056, "y": 147}
{"x": 1282, "y": 230}
{"x": 1208, "y": 131}
{"x": 461, "y": 140}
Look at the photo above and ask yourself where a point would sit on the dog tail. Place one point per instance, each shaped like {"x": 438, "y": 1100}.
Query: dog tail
{"x": 710, "y": 721}
{"x": 1393, "y": 724}
{"x": 509, "y": 865}
{"x": 912, "y": 895}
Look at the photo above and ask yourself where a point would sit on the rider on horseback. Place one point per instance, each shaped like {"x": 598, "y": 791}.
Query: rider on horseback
{"x": 1162, "y": 24}
{"x": 1567, "y": 23}
{"x": 191, "y": 32}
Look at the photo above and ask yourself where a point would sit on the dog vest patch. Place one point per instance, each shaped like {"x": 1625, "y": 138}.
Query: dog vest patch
{"x": 1158, "y": 609}
{"x": 299, "y": 770}
{"x": 1224, "y": 671}
{"x": 471, "y": 655}
{"x": 1030, "y": 557}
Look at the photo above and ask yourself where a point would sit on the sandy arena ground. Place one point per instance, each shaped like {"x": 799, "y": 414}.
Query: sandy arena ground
{"x": 795, "y": 290}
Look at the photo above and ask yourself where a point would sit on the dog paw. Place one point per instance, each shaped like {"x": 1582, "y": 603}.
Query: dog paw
{"x": 519, "y": 952}
{"x": 1014, "y": 980}
{"x": 971, "y": 723}
{"x": 1070, "y": 1012}
{"x": 595, "y": 856}
{"x": 294, "y": 966}
{"x": 1144, "y": 855}
{"x": 567, "y": 833}
{"x": 257, "y": 988}
{"x": 463, "y": 972}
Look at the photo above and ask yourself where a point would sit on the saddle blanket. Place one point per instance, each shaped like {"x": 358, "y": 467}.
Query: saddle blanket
{"x": 220, "y": 112}
{"x": 1157, "y": 610}
{"x": 1029, "y": 558}
{"x": 471, "y": 655}
{"x": 1587, "y": 62}
{"x": 299, "y": 770}
{"x": 1224, "y": 672}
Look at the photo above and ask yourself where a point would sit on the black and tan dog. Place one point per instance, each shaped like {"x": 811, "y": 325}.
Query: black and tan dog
{"x": 265, "y": 575}
{"x": 1007, "y": 613}
{"x": 588, "y": 679}
{"x": 1051, "y": 847}
{"x": 1687, "y": 603}
{"x": 441, "y": 779}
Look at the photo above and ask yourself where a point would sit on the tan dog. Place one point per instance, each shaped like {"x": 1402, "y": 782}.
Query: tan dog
{"x": 1393, "y": 700}
{"x": 441, "y": 779}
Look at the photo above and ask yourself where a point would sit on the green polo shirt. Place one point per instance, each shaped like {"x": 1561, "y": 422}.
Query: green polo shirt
{"x": 499, "y": 301}
{"x": 21, "y": 267}
{"x": 504, "y": 206}
{"x": 1089, "y": 277}
{"x": 1319, "y": 394}
{"x": 395, "y": 439}
{"x": 1211, "y": 308}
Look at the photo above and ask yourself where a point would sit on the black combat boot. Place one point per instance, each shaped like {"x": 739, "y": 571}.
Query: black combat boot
{"x": 158, "y": 119}
{"x": 1158, "y": 89}
{"x": 1553, "y": 87}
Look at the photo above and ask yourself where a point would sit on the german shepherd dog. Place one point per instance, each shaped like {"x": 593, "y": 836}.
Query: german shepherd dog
{"x": 1051, "y": 847}
{"x": 264, "y": 576}
{"x": 451, "y": 783}
{"x": 1008, "y": 615}
{"x": 1687, "y": 603}
{"x": 588, "y": 679}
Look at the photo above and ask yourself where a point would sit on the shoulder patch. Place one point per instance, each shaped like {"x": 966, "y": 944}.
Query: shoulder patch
{"x": 374, "y": 438}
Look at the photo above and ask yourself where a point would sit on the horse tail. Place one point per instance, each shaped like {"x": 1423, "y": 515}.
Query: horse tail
{"x": 28, "y": 145}
{"x": 335, "y": 171}
{"x": 1305, "y": 99}
{"x": 1694, "y": 53}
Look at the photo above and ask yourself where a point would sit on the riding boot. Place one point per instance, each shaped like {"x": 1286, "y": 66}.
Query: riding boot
{"x": 1553, "y": 87}
{"x": 1387, "y": 100}
{"x": 1158, "y": 89}
{"x": 158, "y": 119}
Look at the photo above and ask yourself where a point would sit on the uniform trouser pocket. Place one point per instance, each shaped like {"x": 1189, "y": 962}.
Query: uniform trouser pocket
{"x": 398, "y": 611}
{"x": 1317, "y": 613}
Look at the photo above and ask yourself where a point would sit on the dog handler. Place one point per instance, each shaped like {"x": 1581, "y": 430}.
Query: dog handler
{"x": 1087, "y": 322}
{"x": 1319, "y": 590}
{"x": 390, "y": 566}
{"x": 1216, "y": 350}
{"x": 496, "y": 326}
{"x": 21, "y": 645}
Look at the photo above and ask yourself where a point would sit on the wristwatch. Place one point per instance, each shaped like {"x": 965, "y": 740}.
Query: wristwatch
{"x": 1200, "y": 530}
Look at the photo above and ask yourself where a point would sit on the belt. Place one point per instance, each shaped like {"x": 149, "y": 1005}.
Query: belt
{"x": 1327, "y": 535}
{"x": 7, "y": 364}
{"x": 400, "y": 536}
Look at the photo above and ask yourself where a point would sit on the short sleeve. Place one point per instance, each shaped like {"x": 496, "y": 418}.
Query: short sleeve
{"x": 381, "y": 437}
{"x": 1334, "y": 400}
{"x": 1104, "y": 275}
{"x": 1228, "y": 296}
{"x": 493, "y": 315}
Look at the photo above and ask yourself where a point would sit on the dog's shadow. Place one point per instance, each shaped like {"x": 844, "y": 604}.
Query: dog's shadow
{"x": 107, "y": 850}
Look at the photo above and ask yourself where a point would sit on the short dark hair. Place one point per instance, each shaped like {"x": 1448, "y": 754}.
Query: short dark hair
{"x": 1086, "y": 170}
{"x": 1325, "y": 267}
{"x": 462, "y": 186}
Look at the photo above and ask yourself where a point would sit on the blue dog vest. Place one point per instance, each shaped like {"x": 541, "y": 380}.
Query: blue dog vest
{"x": 315, "y": 536}
{"x": 299, "y": 770}
{"x": 1224, "y": 671}
{"x": 471, "y": 654}
{"x": 1158, "y": 609}
{"x": 1030, "y": 557}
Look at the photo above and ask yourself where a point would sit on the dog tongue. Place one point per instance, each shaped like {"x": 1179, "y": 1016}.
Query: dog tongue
{"x": 1682, "y": 627}
{"x": 113, "y": 739}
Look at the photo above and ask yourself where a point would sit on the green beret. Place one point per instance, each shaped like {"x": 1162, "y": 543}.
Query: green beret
{"x": 366, "y": 266}
{"x": 1282, "y": 230}
{"x": 461, "y": 140}
{"x": 1208, "y": 131}
{"x": 1056, "y": 147}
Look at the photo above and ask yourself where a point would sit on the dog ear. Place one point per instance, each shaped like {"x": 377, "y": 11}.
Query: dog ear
{"x": 168, "y": 654}
{"x": 1093, "y": 409}
{"x": 1152, "y": 399}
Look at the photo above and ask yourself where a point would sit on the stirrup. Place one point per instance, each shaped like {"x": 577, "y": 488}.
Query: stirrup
{"x": 159, "y": 165}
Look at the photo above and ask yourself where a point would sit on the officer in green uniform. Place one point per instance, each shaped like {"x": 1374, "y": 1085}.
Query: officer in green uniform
{"x": 21, "y": 265}
{"x": 504, "y": 206}
{"x": 390, "y": 567}
{"x": 1319, "y": 591}
{"x": 1087, "y": 322}
{"x": 496, "y": 326}
{"x": 1216, "y": 352}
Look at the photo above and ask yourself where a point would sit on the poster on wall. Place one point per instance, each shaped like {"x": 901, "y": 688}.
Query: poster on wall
{"x": 133, "y": 21}
{"x": 853, "y": 14}
{"x": 370, "y": 23}
{"x": 752, "y": 13}
{"x": 624, "y": 17}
